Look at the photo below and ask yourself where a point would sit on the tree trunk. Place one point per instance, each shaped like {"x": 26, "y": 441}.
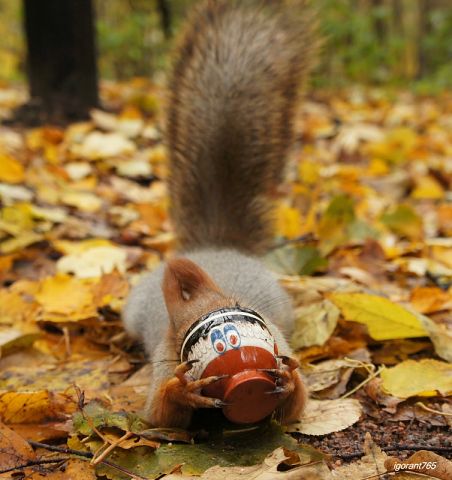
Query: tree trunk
{"x": 61, "y": 58}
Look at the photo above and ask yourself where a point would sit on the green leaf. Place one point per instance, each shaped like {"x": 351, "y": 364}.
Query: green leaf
{"x": 290, "y": 260}
{"x": 403, "y": 221}
{"x": 245, "y": 447}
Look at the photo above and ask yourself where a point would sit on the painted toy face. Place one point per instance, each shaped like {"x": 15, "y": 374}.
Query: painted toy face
{"x": 223, "y": 331}
{"x": 225, "y": 338}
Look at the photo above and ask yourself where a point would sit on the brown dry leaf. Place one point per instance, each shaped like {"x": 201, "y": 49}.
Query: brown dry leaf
{"x": 431, "y": 299}
{"x": 14, "y": 450}
{"x": 40, "y": 432}
{"x": 423, "y": 462}
{"x": 74, "y": 469}
{"x": 375, "y": 391}
{"x": 325, "y": 416}
{"x": 111, "y": 286}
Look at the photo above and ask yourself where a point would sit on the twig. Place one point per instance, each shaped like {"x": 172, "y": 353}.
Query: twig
{"x": 54, "y": 448}
{"x": 420, "y": 404}
{"x": 97, "y": 459}
{"x": 366, "y": 380}
{"x": 33, "y": 463}
{"x": 132, "y": 475}
{"x": 80, "y": 453}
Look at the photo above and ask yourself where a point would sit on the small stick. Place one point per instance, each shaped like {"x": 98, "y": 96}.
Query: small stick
{"x": 33, "y": 463}
{"x": 54, "y": 448}
{"x": 367, "y": 380}
{"x": 112, "y": 446}
{"x": 420, "y": 404}
{"x": 79, "y": 453}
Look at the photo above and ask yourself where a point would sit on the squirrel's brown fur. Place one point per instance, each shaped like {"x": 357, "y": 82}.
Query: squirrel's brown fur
{"x": 238, "y": 71}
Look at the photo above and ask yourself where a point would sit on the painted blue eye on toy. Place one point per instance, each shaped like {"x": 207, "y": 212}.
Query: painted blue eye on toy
{"x": 218, "y": 341}
{"x": 232, "y": 336}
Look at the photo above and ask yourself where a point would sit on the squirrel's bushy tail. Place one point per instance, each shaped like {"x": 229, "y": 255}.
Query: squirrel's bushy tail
{"x": 233, "y": 92}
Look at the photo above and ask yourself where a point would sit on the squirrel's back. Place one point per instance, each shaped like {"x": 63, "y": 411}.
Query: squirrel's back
{"x": 238, "y": 71}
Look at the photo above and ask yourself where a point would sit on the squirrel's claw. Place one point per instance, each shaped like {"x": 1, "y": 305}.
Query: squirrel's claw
{"x": 204, "y": 382}
{"x": 289, "y": 361}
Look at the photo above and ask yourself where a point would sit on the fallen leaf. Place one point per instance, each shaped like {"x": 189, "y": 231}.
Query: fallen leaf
{"x": 93, "y": 262}
{"x": 440, "y": 335}
{"x": 97, "y": 145}
{"x": 326, "y": 416}
{"x": 290, "y": 260}
{"x": 83, "y": 201}
{"x": 14, "y": 450}
{"x": 372, "y": 464}
{"x": 403, "y": 221}
{"x": 11, "y": 171}
{"x": 35, "y": 407}
{"x": 411, "y": 378}
{"x": 384, "y": 319}
{"x": 65, "y": 298}
{"x": 423, "y": 462}
{"x": 314, "y": 324}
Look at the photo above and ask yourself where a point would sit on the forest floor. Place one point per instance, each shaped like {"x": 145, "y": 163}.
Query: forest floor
{"x": 363, "y": 244}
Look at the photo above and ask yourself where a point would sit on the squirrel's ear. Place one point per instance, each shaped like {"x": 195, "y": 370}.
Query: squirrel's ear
{"x": 183, "y": 280}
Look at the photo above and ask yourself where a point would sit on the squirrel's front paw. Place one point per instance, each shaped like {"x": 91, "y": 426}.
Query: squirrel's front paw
{"x": 290, "y": 389}
{"x": 187, "y": 392}
{"x": 284, "y": 377}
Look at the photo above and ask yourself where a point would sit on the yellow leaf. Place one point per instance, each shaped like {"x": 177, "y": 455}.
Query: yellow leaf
{"x": 74, "y": 248}
{"x": 385, "y": 320}
{"x": 309, "y": 172}
{"x": 33, "y": 407}
{"x": 403, "y": 221}
{"x": 66, "y": 298}
{"x": 88, "y": 375}
{"x": 442, "y": 254}
{"x": 21, "y": 241}
{"x": 84, "y": 201}
{"x": 378, "y": 167}
{"x": 288, "y": 222}
{"x": 412, "y": 378}
{"x": 427, "y": 188}
{"x": 11, "y": 171}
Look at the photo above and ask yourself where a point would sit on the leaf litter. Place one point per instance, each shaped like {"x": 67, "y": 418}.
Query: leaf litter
{"x": 362, "y": 244}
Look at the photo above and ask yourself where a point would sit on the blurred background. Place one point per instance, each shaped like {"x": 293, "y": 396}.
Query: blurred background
{"x": 383, "y": 42}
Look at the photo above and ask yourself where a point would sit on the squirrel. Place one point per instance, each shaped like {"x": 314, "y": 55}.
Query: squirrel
{"x": 236, "y": 80}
